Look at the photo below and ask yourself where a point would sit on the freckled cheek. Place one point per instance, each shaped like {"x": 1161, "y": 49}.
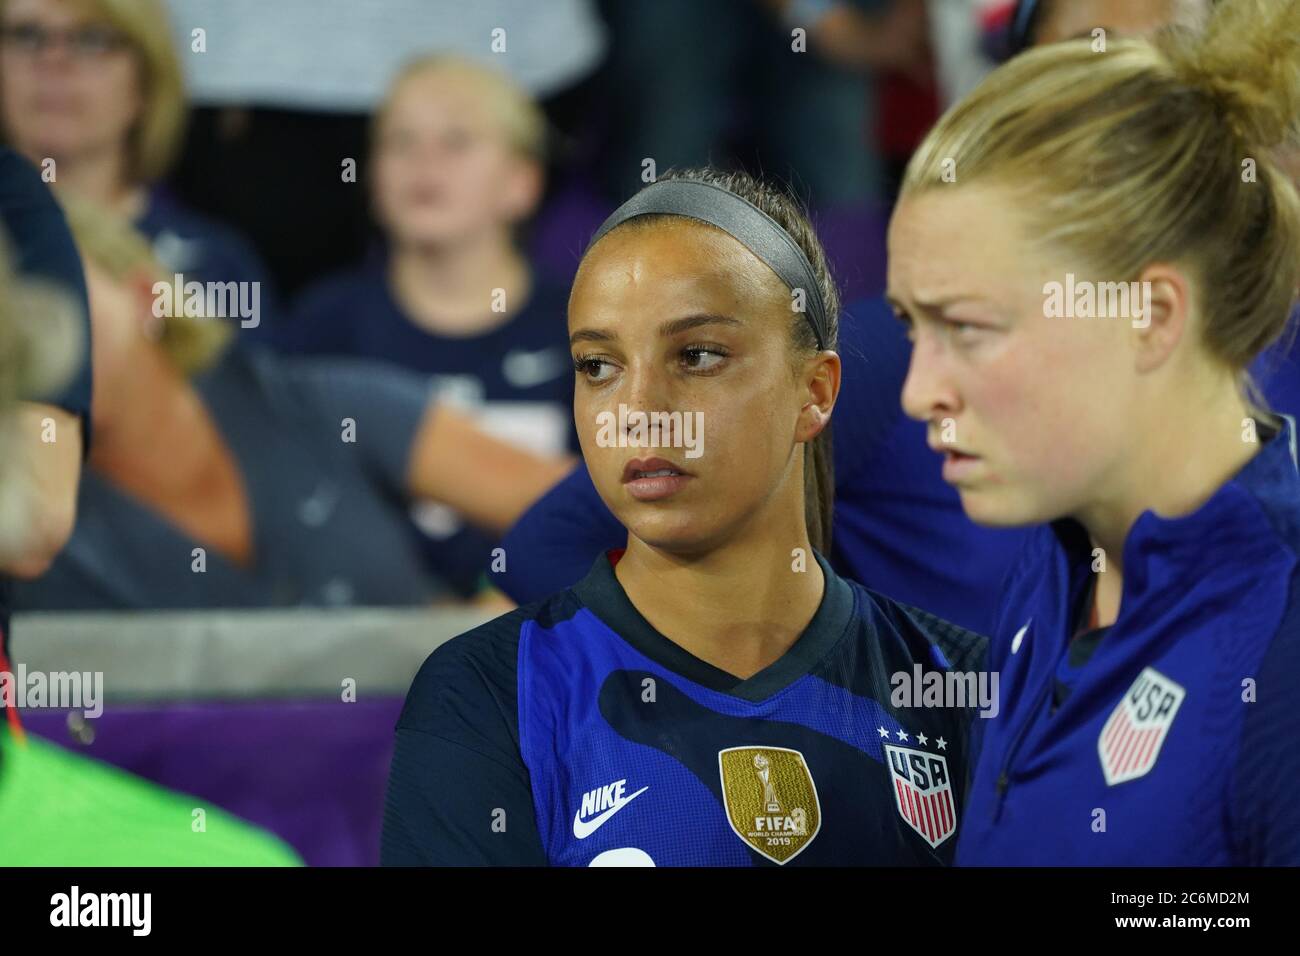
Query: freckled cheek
{"x": 1078, "y": 399}
{"x": 1026, "y": 425}
{"x": 727, "y": 439}
{"x": 586, "y": 411}
{"x": 747, "y": 429}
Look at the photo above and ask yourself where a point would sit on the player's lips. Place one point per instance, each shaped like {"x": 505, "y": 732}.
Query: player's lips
{"x": 652, "y": 479}
{"x": 958, "y": 465}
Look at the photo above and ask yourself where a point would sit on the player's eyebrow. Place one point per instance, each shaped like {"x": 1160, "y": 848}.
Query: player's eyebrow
{"x": 935, "y": 306}
{"x": 686, "y": 323}
{"x": 591, "y": 335}
{"x": 667, "y": 330}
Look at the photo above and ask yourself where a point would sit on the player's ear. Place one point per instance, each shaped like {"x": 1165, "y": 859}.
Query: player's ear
{"x": 1160, "y": 314}
{"x": 820, "y": 376}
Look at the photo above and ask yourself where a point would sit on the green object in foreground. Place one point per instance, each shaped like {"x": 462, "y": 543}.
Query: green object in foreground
{"x": 61, "y": 809}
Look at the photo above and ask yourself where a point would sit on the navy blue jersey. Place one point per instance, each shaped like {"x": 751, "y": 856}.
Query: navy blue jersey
{"x": 516, "y": 379}
{"x": 898, "y": 527}
{"x": 1179, "y": 741}
{"x": 520, "y": 366}
{"x": 570, "y": 732}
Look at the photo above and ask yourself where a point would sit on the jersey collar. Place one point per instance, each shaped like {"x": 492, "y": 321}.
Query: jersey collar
{"x": 601, "y": 592}
{"x": 1244, "y": 518}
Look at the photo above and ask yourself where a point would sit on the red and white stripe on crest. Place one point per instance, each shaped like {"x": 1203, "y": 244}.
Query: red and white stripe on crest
{"x": 1134, "y": 732}
{"x": 928, "y": 808}
{"x": 932, "y": 815}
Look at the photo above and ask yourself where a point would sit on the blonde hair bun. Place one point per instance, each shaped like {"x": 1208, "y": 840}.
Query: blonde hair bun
{"x": 1247, "y": 58}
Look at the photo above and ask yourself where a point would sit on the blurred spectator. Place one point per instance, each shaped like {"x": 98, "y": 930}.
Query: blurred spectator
{"x": 1051, "y": 21}
{"x": 286, "y": 90}
{"x": 689, "y": 77}
{"x": 263, "y": 481}
{"x": 41, "y": 344}
{"x": 456, "y": 166}
{"x": 58, "y": 808}
{"x": 47, "y": 431}
{"x": 961, "y": 59}
{"x": 91, "y": 91}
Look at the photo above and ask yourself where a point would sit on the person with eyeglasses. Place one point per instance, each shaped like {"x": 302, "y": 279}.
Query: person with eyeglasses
{"x": 92, "y": 93}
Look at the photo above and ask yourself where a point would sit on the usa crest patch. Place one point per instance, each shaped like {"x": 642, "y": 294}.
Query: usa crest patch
{"x": 1132, "y": 736}
{"x": 923, "y": 792}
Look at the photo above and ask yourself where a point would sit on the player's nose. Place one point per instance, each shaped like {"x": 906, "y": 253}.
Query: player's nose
{"x": 928, "y": 390}
{"x": 648, "y": 391}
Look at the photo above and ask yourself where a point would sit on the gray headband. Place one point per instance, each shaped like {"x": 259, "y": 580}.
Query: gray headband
{"x": 743, "y": 221}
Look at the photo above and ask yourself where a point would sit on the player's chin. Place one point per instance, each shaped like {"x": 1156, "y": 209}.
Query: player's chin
{"x": 430, "y": 227}
{"x": 681, "y": 531}
{"x": 999, "y": 506}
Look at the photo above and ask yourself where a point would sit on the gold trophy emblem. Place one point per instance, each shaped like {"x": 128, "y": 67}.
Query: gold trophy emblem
{"x": 770, "y": 799}
{"x": 764, "y": 768}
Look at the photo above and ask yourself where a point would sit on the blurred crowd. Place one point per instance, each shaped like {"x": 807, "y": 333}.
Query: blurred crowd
{"x": 327, "y": 246}
{"x": 381, "y": 206}
{"x": 325, "y": 249}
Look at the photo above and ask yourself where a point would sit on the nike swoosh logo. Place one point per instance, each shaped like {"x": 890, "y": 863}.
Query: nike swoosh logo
{"x": 176, "y": 253}
{"x": 583, "y": 829}
{"x": 526, "y": 369}
{"x": 1020, "y": 636}
{"x": 315, "y": 510}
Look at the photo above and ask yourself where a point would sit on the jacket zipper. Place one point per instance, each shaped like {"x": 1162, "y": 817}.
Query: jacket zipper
{"x": 1004, "y": 775}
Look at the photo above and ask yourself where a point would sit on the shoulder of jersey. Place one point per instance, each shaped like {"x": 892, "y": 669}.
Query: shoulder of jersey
{"x": 481, "y": 664}
{"x": 498, "y": 639}
{"x": 960, "y": 649}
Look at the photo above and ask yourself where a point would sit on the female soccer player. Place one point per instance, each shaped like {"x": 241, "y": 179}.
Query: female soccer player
{"x": 714, "y": 693}
{"x": 1083, "y": 364}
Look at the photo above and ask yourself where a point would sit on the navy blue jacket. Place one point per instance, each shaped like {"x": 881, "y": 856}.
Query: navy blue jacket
{"x": 1179, "y": 741}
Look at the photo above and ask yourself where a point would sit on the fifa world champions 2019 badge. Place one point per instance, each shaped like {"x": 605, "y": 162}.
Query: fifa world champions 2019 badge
{"x": 1132, "y": 736}
{"x": 771, "y": 800}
